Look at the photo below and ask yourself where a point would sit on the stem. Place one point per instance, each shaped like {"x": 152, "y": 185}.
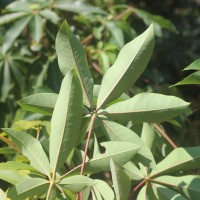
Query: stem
{"x": 63, "y": 176}
{"x": 49, "y": 190}
{"x": 97, "y": 68}
{"x": 165, "y": 135}
{"x": 87, "y": 142}
{"x": 118, "y": 17}
{"x": 137, "y": 187}
{"x": 80, "y": 194}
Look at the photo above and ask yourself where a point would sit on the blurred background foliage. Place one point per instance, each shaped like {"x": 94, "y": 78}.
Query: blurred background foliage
{"x": 28, "y": 62}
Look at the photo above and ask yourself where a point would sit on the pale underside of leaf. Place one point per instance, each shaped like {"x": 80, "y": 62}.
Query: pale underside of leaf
{"x": 126, "y": 71}
{"x": 32, "y": 149}
{"x": 66, "y": 120}
{"x": 146, "y": 107}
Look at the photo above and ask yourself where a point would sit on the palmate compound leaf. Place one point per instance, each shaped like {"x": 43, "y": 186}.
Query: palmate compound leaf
{"x": 31, "y": 148}
{"x": 43, "y": 103}
{"x": 188, "y": 185}
{"x": 28, "y": 188}
{"x": 129, "y": 65}
{"x": 179, "y": 159}
{"x": 66, "y": 120}
{"x": 117, "y": 132}
{"x": 77, "y": 183}
{"x": 71, "y": 54}
{"x": 146, "y": 107}
{"x": 121, "y": 181}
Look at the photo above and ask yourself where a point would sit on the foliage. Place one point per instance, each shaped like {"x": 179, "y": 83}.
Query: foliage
{"x": 76, "y": 138}
{"x": 51, "y": 169}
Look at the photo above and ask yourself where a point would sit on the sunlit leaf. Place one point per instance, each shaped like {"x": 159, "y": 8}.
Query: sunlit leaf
{"x": 194, "y": 65}
{"x": 179, "y": 159}
{"x": 77, "y": 183}
{"x": 28, "y": 188}
{"x": 188, "y": 185}
{"x": 165, "y": 193}
{"x": 72, "y": 55}
{"x": 192, "y": 79}
{"x": 66, "y": 120}
{"x": 31, "y": 148}
{"x": 146, "y": 107}
{"x": 117, "y": 132}
{"x": 43, "y": 103}
{"x": 105, "y": 192}
{"x": 125, "y": 72}
{"x": 121, "y": 181}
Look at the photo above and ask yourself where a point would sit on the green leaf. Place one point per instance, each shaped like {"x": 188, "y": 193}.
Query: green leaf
{"x": 156, "y": 19}
{"x": 7, "y": 18}
{"x": 77, "y": 183}
{"x": 7, "y": 150}
{"x": 120, "y": 152}
{"x": 105, "y": 192}
{"x": 132, "y": 171}
{"x": 14, "y": 32}
{"x": 179, "y": 159}
{"x": 116, "y": 33}
{"x": 142, "y": 195}
{"x": 117, "y": 132}
{"x": 43, "y": 103}
{"x": 13, "y": 165}
{"x": 72, "y": 55}
{"x": 77, "y": 7}
{"x": 13, "y": 176}
{"x": 3, "y": 195}
{"x": 193, "y": 78}
{"x": 148, "y": 134}
{"x": 50, "y": 15}
{"x": 147, "y": 107}
{"x": 165, "y": 193}
{"x": 194, "y": 65}
{"x": 125, "y": 72}
{"x": 31, "y": 148}
{"x": 121, "y": 181}
{"x": 66, "y": 120}
{"x": 28, "y": 188}
{"x": 188, "y": 185}
{"x": 36, "y": 28}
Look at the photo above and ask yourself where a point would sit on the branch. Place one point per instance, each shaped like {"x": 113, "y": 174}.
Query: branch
{"x": 160, "y": 130}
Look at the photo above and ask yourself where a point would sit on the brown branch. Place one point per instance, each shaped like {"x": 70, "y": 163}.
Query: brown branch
{"x": 97, "y": 68}
{"x": 118, "y": 17}
{"x": 87, "y": 40}
{"x": 160, "y": 130}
